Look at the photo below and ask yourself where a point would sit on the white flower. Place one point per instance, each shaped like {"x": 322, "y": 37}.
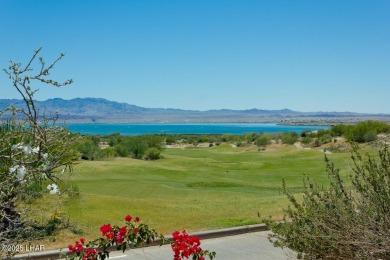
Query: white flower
{"x": 35, "y": 150}
{"x": 21, "y": 172}
{"x": 27, "y": 149}
{"x": 53, "y": 189}
{"x": 17, "y": 146}
{"x": 44, "y": 156}
{"x": 13, "y": 168}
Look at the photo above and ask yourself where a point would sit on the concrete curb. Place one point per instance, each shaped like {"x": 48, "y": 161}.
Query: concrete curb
{"x": 57, "y": 254}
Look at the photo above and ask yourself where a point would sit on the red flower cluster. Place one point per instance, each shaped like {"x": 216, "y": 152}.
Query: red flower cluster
{"x": 90, "y": 254}
{"x": 106, "y": 231}
{"x": 128, "y": 218}
{"x": 121, "y": 234}
{"x": 184, "y": 246}
{"x": 77, "y": 248}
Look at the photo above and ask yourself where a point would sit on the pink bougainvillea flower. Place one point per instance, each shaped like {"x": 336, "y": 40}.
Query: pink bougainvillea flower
{"x": 119, "y": 238}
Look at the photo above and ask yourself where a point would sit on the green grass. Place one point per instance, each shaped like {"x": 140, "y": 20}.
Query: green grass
{"x": 193, "y": 189}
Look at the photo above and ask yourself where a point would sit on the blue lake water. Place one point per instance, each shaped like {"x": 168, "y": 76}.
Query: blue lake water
{"x": 212, "y": 128}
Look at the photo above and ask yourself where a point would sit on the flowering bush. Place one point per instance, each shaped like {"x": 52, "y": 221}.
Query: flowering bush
{"x": 185, "y": 246}
{"x": 32, "y": 149}
{"x": 134, "y": 233}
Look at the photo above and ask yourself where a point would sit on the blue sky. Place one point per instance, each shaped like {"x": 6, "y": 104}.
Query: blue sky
{"x": 208, "y": 54}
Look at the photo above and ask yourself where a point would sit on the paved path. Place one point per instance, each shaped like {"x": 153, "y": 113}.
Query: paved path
{"x": 245, "y": 246}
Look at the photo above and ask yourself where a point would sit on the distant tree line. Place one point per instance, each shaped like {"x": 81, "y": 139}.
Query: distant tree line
{"x": 99, "y": 147}
{"x": 149, "y": 147}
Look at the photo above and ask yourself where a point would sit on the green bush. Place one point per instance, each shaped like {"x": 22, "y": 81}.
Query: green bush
{"x": 306, "y": 140}
{"x": 155, "y": 141}
{"x": 138, "y": 147}
{"x": 123, "y": 149}
{"x": 370, "y": 136}
{"x": 170, "y": 140}
{"x": 250, "y": 137}
{"x": 106, "y": 153}
{"x": 339, "y": 130}
{"x": 343, "y": 221}
{"x": 263, "y": 140}
{"x": 326, "y": 138}
{"x": 289, "y": 138}
{"x": 152, "y": 154}
{"x": 88, "y": 148}
{"x": 361, "y": 132}
{"x": 227, "y": 138}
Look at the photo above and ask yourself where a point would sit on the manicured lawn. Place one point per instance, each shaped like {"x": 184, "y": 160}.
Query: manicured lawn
{"x": 194, "y": 189}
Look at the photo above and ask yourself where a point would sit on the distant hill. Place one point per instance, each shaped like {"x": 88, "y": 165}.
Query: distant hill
{"x": 99, "y": 110}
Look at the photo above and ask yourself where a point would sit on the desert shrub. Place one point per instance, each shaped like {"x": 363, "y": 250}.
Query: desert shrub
{"x": 113, "y": 139}
{"x": 316, "y": 142}
{"x": 105, "y": 153}
{"x": 326, "y": 138}
{"x": 289, "y": 138}
{"x": 263, "y": 140}
{"x": 152, "y": 154}
{"x": 250, "y": 137}
{"x": 306, "y": 140}
{"x": 137, "y": 147}
{"x": 370, "y": 136}
{"x": 307, "y": 133}
{"x": 345, "y": 220}
{"x": 339, "y": 130}
{"x": 170, "y": 140}
{"x": 323, "y": 132}
{"x": 87, "y": 148}
{"x": 365, "y": 131}
{"x": 227, "y": 138}
{"x": 134, "y": 147}
{"x": 123, "y": 149}
{"x": 155, "y": 141}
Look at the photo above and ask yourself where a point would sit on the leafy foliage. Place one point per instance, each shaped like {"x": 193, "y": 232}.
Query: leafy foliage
{"x": 152, "y": 154}
{"x": 342, "y": 221}
{"x": 289, "y": 138}
{"x": 361, "y": 132}
{"x": 263, "y": 140}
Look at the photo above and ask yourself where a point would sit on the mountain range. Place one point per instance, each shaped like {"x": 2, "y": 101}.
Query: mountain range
{"x": 99, "y": 110}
